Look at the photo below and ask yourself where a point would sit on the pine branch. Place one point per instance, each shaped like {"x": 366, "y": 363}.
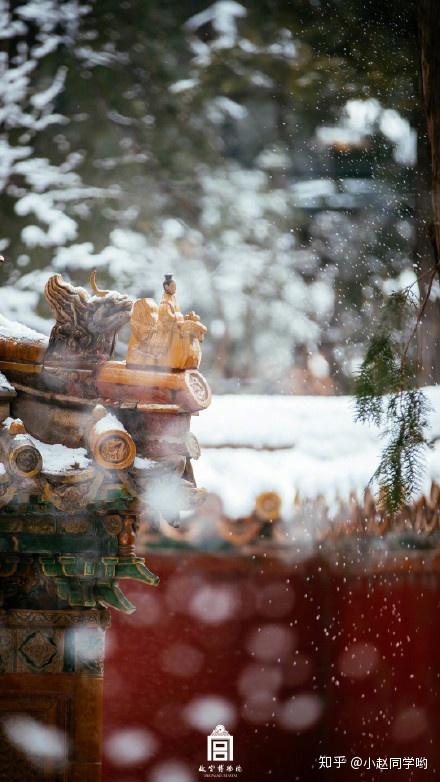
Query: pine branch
{"x": 387, "y": 396}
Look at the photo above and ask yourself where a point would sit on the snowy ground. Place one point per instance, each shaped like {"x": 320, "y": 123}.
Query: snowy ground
{"x": 306, "y": 445}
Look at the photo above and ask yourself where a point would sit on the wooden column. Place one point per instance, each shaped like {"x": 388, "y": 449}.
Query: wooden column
{"x": 51, "y": 681}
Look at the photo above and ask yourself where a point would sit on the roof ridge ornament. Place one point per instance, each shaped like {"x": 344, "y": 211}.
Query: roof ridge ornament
{"x": 84, "y": 439}
{"x": 161, "y": 336}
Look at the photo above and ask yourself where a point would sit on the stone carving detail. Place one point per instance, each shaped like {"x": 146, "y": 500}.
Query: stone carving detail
{"x": 111, "y": 445}
{"x": 39, "y": 651}
{"x": 86, "y": 326}
{"x": 199, "y": 388}
{"x": 114, "y": 450}
{"x": 23, "y": 457}
{"x": 68, "y": 497}
{"x": 28, "y": 460}
{"x": 162, "y": 335}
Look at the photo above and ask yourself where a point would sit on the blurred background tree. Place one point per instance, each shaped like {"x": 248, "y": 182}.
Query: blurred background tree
{"x": 403, "y": 346}
{"x": 264, "y": 152}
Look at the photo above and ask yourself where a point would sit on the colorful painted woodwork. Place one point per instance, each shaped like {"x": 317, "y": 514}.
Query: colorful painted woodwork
{"x": 89, "y": 439}
{"x": 88, "y": 447}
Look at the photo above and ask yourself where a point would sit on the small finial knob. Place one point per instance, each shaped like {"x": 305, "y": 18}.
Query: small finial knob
{"x": 168, "y": 281}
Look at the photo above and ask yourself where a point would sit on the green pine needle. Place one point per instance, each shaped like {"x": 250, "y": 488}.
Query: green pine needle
{"x": 387, "y": 396}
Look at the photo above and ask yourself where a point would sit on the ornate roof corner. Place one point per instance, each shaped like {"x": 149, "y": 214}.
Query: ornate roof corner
{"x": 87, "y": 444}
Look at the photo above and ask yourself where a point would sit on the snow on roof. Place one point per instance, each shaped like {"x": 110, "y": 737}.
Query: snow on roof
{"x": 109, "y": 422}
{"x": 142, "y": 463}
{"x": 15, "y": 330}
{"x": 58, "y": 458}
{"x": 310, "y": 446}
{"x": 6, "y": 388}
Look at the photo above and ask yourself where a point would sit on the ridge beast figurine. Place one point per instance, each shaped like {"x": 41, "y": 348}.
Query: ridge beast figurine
{"x": 86, "y": 326}
{"x": 84, "y": 439}
{"x": 162, "y": 336}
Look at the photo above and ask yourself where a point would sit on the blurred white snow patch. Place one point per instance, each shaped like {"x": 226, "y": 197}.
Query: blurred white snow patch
{"x": 362, "y": 118}
{"x": 405, "y": 279}
{"x": 171, "y": 771}
{"x": 314, "y": 188}
{"x": 23, "y": 260}
{"x": 274, "y": 158}
{"x": 127, "y": 254}
{"x": 297, "y": 446}
{"x": 13, "y": 329}
{"x": 130, "y": 746}
{"x": 173, "y": 229}
{"x": 89, "y": 644}
{"x": 182, "y": 85}
{"x": 359, "y": 660}
{"x": 214, "y": 605}
{"x": 285, "y": 46}
{"x": 318, "y": 365}
{"x": 40, "y": 743}
{"x": 250, "y": 475}
{"x": 42, "y": 99}
{"x": 221, "y": 107}
{"x": 320, "y": 298}
{"x": 18, "y": 305}
{"x": 398, "y": 130}
{"x": 406, "y": 229}
{"x": 217, "y": 328}
{"x": 77, "y": 255}
{"x": 361, "y": 115}
{"x": 60, "y": 227}
{"x": 260, "y": 679}
{"x": 58, "y": 458}
{"x": 433, "y": 462}
{"x": 271, "y": 643}
{"x": 328, "y": 136}
{"x": 167, "y": 496}
{"x": 182, "y": 659}
{"x": 206, "y": 712}
{"x": 223, "y": 17}
{"x": 301, "y": 712}
{"x": 409, "y": 724}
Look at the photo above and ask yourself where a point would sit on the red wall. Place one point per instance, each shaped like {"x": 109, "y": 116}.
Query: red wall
{"x": 295, "y": 661}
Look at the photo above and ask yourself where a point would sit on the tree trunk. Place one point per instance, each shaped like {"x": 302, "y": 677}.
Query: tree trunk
{"x": 429, "y": 31}
{"x": 429, "y": 330}
{"x": 428, "y": 219}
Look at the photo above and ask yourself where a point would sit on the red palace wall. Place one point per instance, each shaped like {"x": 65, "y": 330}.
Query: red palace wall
{"x": 295, "y": 661}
